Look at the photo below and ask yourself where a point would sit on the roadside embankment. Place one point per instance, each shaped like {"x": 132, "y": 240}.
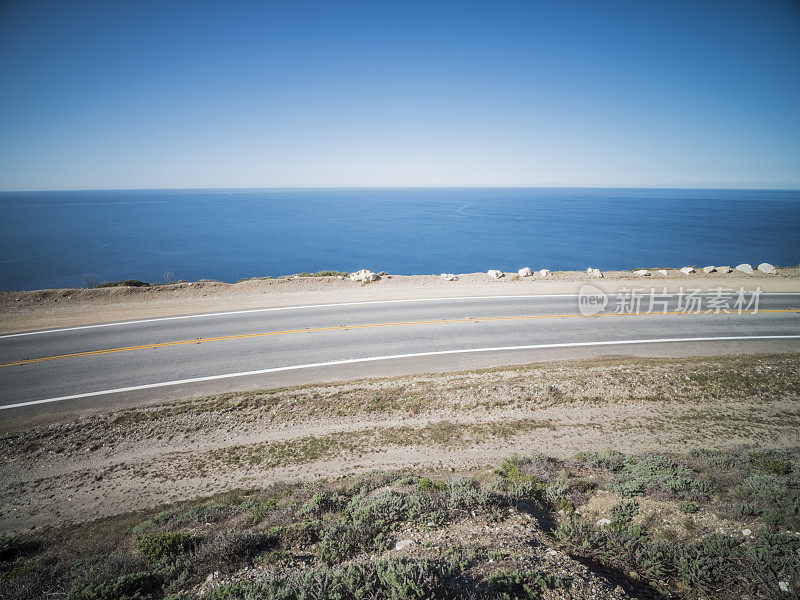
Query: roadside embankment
{"x": 45, "y": 309}
{"x": 109, "y": 463}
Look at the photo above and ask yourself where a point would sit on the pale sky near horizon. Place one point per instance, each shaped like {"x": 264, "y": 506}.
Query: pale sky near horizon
{"x": 161, "y": 94}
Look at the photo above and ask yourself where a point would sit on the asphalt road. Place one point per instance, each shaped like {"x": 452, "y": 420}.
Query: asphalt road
{"x": 126, "y": 364}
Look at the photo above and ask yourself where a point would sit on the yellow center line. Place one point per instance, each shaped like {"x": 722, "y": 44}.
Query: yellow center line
{"x": 244, "y": 336}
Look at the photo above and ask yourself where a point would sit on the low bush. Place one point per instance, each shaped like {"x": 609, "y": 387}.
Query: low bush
{"x": 513, "y": 585}
{"x": 516, "y": 482}
{"x": 231, "y": 550}
{"x": 124, "y": 283}
{"x": 133, "y": 586}
{"x": 659, "y": 474}
{"x": 371, "y": 480}
{"x": 320, "y": 503}
{"x": 325, "y": 274}
{"x": 770, "y": 462}
{"x": 608, "y": 459}
{"x": 426, "y": 485}
{"x": 395, "y": 579}
{"x": 623, "y": 512}
{"x": 157, "y": 546}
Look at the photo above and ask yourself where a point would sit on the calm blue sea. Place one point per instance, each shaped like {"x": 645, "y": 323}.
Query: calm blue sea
{"x": 51, "y": 239}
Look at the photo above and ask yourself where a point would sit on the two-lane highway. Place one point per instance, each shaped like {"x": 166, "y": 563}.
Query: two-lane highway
{"x": 120, "y": 364}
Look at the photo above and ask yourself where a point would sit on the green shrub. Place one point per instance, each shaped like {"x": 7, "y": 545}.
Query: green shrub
{"x": 608, "y": 459}
{"x": 688, "y": 507}
{"x": 464, "y": 493}
{"x": 133, "y": 586}
{"x": 300, "y": 534}
{"x": 769, "y": 489}
{"x": 325, "y": 274}
{"x": 230, "y": 550}
{"x": 366, "y": 522}
{"x": 200, "y": 514}
{"x": 770, "y": 463}
{"x": 511, "y": 469}
{"x": 392, "y": 579}
{"x": 426, "y": 485}
{"x": 407, "y": 480}
{"x": 776, "y": 519}
{"x": 746, "y": 509}
{"x": 516, "y": 481}
{"x": 623, "y": 512}
{"x": 656, "y": 472}
{"x": 124, "y": 282}
{"x": 774, "y": 553}
{"x": 156, "y": 546}
{"x": 705, "y": 565}
{"x": 369, "y": 481}
{"x": 513, "y": 585}
{"x": 363, "y": 527}
{"x": 321, "y": 502}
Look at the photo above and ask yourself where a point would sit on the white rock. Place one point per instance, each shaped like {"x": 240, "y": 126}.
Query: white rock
{"x": 494, "y": 273}
{"x": 709, "y": 269}
{"x": 525, "y": 272}
{"x": 210, "y": 577}
{"x": 364, "y": 276}
{"x": 403, "y": 544}
{"x": 448, "y": 277}
{"x": 767, "y": 268}
{"x": 594, "y": 273}
{"x": 544, "y": 272}
{"x": 603, "y": 522}
{"x": 339, "y": 277}
{"x": 746, "y": 532}
{"x": 642, "y": 273}
{"x": 663, "y": 272}
{"x": 726, "y": 269}
{"x": 745, "y": 268}
{"x": 784, "y": 586}
{"x": 687, "y": 270}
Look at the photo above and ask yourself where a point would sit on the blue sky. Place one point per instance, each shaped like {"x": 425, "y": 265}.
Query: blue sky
{"x": 152, "y": 94}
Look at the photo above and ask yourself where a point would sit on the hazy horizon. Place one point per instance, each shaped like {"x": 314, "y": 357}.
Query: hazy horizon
{"x": 401, "y": 187}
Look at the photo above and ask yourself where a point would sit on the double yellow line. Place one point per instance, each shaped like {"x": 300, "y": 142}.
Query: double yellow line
{"x": 245, "y": 336}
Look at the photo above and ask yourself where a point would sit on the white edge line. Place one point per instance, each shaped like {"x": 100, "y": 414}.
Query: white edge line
{"x": 306, "y": 306}
{"x": 396, "y": 356}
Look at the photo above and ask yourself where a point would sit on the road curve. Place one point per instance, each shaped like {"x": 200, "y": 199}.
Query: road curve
{"x": 136, "y": 362}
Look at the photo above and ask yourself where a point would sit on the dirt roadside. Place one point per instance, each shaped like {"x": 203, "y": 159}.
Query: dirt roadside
{"x": 45, "y": 309}
{"x": 109, "y": 464}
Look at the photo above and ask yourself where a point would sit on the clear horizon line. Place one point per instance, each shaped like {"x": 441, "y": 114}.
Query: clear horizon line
{"x": 396, "y": 187}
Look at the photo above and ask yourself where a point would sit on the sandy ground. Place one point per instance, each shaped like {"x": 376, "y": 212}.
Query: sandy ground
{"x": 45, "y": 309}
{"x": 112, "y": 463}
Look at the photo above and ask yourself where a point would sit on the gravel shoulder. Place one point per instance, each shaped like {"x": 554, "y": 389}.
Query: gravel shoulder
{"x": 45, "y": 309}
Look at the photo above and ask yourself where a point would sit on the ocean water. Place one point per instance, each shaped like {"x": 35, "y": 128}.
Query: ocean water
{"x": 51, "y": 239}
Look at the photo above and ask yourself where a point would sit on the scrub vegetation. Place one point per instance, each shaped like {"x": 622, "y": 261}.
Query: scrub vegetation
{"x": 123, "y": 283}
{"x": 601, "y": 524}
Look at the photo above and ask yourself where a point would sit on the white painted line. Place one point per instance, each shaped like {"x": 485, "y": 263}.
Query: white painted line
{"x": 396, "y": 356}
{"x": 277, "y": 308}
{"x": 307, "y": 306}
